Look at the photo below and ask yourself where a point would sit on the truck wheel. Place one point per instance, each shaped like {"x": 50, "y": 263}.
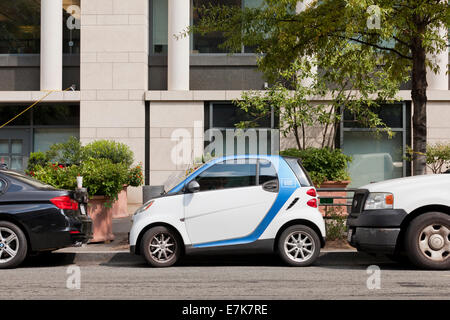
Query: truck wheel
{"x": 299, "y": 246}
{"x": 428, "y": 241}
{"x": 13, "y": 245}
{"x": 161, "y": 247}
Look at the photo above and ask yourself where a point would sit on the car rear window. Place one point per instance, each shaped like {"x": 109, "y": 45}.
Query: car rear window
{"x": 299, "y": 171}
{"x": 28, "y": 180}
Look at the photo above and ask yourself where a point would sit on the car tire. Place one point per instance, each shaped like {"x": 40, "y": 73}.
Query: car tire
{"x": 427, "y": 241}
{"x": 13, "y": 245}
{"x": 161, "y": 247}
{"x": 299, "y": 246}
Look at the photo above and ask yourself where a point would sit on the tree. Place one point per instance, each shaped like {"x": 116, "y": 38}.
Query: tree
{"x": 408, "y": 34}
{"x": 290, "y": 97}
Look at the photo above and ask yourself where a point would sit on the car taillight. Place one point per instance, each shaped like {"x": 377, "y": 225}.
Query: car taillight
{"x": 64, "y": 202}
{"x": 312, "y": 203}
{"x": 311, "y": 192}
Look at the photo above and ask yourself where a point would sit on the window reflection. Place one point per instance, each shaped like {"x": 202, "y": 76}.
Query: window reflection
{"x": 20, "y": 22}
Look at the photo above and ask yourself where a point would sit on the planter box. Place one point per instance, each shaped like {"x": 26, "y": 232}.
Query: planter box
{"x": 325, "y": 194}
{"x": 120, "y": 206}
{"x": 101, "y": 219}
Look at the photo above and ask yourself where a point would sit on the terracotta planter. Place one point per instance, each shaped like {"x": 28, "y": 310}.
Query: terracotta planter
{"x": 120, "y": 206}
{"x": 325, "y": 194}
{"x": 101, "y": 219}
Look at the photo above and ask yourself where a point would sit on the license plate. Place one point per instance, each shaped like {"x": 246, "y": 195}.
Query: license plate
{"x": 82, "y": 209}
{"x": 349, "y": 235}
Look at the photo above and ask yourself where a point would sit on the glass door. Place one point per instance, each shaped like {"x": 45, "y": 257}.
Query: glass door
{"x": 14, "y": 148}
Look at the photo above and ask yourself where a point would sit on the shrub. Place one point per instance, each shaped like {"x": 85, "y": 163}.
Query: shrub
{"x": 335, "y": 224}
{"x": 37, "y": 159}
{"x": 56, "y": 175}
{"x": 438, "y": 157}
{"x": 322, "y": 164}
{"x": 105, "y": 167}
{"x": 135, "y": 176}
{"x": 67, "y": 153}
{"x": 114, "y": 151}
{"x": 102, "y": 177}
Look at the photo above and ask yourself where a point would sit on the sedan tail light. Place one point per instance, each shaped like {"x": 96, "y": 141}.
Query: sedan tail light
{"x": 65, "y": 202}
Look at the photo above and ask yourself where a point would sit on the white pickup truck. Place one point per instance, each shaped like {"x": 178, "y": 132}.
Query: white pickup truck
{"x": 404, "y": 216}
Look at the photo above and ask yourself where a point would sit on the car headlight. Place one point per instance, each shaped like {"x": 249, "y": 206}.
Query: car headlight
{"x": 379, "y": 200}
{"x": 144, "y": 207}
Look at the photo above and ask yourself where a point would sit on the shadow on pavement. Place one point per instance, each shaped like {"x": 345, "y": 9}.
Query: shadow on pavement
{"x": 331, "y": 260}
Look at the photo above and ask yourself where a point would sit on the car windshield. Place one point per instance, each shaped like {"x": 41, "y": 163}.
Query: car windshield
{"x": 176, "y": 179}
{"x": 28, "y": 180}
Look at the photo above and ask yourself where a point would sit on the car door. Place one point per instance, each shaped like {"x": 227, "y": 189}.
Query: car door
{"x": 232, "y": 200}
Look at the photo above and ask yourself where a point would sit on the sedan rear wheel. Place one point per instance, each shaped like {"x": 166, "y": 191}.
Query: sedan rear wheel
{"x": 13, "y": 245}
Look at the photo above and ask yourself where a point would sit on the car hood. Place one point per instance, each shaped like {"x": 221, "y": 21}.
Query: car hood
{"x": 393, "y": 185}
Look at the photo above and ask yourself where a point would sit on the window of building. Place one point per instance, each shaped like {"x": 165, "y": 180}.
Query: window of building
{"x": 71, "y": 26}
{"x": 228, "y": 174}
{"x": 35, "y": 130}
{"x": 376, "y": 157}
{"x": 20, "y": 30}
{"x": 159, "y": 14}
{"x": 208, "y": 43}
{"x": 20, "y": 26}
{"x": 223, "y": 138}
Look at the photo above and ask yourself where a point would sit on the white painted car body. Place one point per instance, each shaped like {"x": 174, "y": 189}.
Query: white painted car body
{"x": 411, "y": 193}
{"x": 234, "y": 216}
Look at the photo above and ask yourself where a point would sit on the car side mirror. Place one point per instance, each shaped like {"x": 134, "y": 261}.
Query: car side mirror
{"x": 193, "y": 187}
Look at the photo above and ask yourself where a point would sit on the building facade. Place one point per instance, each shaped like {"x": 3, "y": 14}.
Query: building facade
{"x": 137, "y": 79}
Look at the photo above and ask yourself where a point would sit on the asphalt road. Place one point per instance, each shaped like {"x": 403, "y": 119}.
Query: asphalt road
{"x": 336, "y": 275}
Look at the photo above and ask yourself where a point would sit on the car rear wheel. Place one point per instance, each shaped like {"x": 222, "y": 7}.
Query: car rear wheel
{"x": 13, "y": 245}
{"x": 161, "y": 247}
{"x": 299, "y": 246}
{"x": 428, "y": 241}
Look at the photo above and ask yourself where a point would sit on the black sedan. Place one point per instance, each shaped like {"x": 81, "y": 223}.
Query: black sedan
{"x": 35, "y": 217}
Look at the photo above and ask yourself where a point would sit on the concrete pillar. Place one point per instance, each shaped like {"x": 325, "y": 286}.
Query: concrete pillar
{"x": 178, "y": 47}
{"x": 302, "y": 6}
{"x": 51, "y": 44}
{"x": 439, "y": 81}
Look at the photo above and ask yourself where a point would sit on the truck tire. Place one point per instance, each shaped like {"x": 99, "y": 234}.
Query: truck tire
{"x": 299, "y": 246}
{"x": 13, "y": 245}
{"x": 427, "y": 241}
{"x": 161, "y": 247}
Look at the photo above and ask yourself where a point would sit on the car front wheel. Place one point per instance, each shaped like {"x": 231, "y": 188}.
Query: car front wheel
{"x": 13, "y": 245}
{"x": 161, "y": 247}
{"x": 428, "y": 241}
{"x": 299, "y": 246}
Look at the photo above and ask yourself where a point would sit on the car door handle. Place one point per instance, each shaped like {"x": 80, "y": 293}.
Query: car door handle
{"x": 271, "y": 186}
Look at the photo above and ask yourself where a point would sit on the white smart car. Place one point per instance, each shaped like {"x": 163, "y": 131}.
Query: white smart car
{"x": 234, "y": 204}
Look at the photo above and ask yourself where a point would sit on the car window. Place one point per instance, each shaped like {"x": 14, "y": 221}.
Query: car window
{"x": 299, "y": 171}
{"x": 28, "y": 180}
{"x": 2, "y": 186}
{"x": 228, "y": 174}
{"x": 267, "y": 172}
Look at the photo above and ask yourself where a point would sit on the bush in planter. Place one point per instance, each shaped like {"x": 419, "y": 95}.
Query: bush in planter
{"x": 102, "y": 177}
{"x": 322, "y": 164}
{"x": 135, "y": 176}
{"x": 114, "y": 151}
{"x": 58, "y": 176}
